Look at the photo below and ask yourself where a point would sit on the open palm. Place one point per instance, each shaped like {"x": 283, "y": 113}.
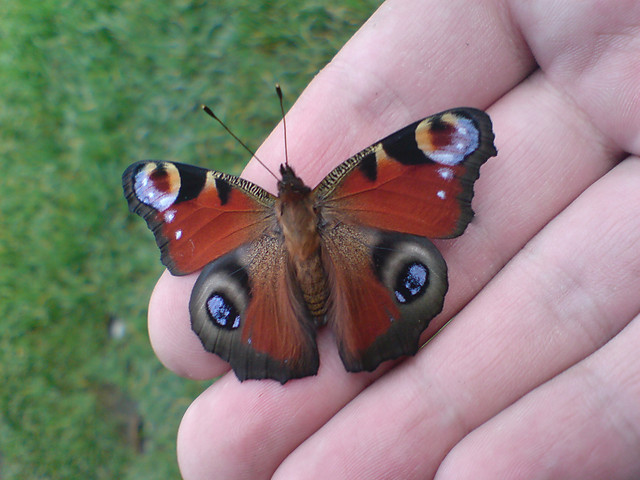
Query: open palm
{"x": 538, "y": 375}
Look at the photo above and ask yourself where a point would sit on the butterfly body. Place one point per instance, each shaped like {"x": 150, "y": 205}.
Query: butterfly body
{"x": 351, "y": 253}
{"x": 297, "y": 213}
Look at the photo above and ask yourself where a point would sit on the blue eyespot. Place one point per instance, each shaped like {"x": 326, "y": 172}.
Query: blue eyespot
{"x": 411, "y": 283}
{"x": 223, "y": 312}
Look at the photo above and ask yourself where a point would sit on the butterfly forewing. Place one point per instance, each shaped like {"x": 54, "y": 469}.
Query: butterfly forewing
{"x": 418, "y": 180}
{"x": 196, "y": 215}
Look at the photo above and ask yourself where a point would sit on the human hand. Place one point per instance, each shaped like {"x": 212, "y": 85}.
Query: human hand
{"x": 538, "y": 375}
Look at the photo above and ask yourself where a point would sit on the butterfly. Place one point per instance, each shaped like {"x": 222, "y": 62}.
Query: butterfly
{"x": 351, "y": 253}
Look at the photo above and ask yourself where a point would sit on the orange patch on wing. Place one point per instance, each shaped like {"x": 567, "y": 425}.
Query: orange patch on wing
{"x": 416, "y": 199}
{"x": 368, "y": 306}
{"x": 361, "y": 309}
{"x": 207, "y": 230}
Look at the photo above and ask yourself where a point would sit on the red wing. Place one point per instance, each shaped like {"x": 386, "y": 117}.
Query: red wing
{"x": 385, "y": 288}
{"x": 246, "y": 309}
{"x": 195, "y": 214}
{"x": 418, "y": 180}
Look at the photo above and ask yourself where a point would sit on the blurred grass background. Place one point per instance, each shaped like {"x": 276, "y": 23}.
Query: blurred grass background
{"x": 86, "y": 89}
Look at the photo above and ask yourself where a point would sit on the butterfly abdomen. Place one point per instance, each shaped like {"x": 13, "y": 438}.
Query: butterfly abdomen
{"x": 312, "y": 281}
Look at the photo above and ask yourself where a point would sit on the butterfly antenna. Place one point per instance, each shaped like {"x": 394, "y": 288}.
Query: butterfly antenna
{"x": 209, "y": 112}
{"x": 284, "y": 124}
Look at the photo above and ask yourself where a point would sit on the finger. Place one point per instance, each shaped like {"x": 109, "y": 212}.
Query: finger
{"x": 569, "y": 292}
{"x": 590, "y": 50}
{"x": 170, "y": 332}
{"x": 235, "y": 430}
{"x": 358, "y": 99}
{"x": 583, "y": 424}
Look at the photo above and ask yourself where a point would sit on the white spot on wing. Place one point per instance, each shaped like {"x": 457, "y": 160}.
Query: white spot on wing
{"x": 178, "y": 234}
{"x": 441, "y": 194}
{"x": 445, "y": 173}
{"x": 169, "y": 215}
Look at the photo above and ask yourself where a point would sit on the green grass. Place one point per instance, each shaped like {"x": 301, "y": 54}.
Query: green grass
{"x": 87, "y": 88}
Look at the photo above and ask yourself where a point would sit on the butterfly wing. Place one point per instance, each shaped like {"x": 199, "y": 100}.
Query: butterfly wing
{"x": 418, "y": 180}
{"x": 387, "y": 280}
{"x": 386, "y": 287}
{"x": 196, "y": 215}
{"x": 246, "y": 307}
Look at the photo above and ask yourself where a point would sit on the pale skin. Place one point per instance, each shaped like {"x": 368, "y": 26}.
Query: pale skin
{"x": 538, "y": 376}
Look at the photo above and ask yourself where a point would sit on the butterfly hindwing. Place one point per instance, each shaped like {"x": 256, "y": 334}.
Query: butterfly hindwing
{"x": 418, "y": 180}
{"x": 195, "y": 214}
{"x": 385, "y": 288}
{"x": 245, "y": 307}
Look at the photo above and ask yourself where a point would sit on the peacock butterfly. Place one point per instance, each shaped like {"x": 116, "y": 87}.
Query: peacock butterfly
{"x": 350, "y": 253}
